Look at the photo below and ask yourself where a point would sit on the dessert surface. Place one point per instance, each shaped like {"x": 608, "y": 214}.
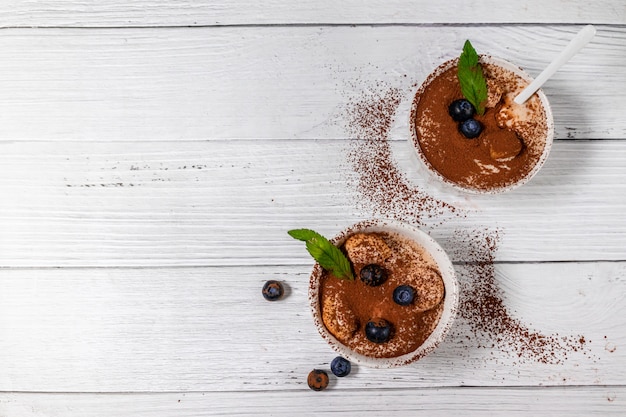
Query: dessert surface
{"x": 348, "y": 305}
{"x": 510, "y": 145}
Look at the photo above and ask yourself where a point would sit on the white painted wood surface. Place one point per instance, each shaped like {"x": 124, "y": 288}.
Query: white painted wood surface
{"x": 273, "y": 82}
{"x": 439, "y": 402}
{"x": 231, "y": 203}
{"x": 154, "y": 153}
{"x": 119, "y": 13}
{"x": 177, "y": 329}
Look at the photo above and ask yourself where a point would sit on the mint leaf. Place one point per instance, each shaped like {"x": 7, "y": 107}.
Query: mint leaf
{"x": 303, "y": 234}
{"x": 471, "y": 78}
{"x": 325, "y": 253}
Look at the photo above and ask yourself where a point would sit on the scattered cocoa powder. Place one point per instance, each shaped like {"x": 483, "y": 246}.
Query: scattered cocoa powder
{"x": 483, "y": 307}
{"x": 383, "y": 188}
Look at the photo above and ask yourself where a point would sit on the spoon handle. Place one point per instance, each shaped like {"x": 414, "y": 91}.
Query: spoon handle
{"x": 580, "y": 40}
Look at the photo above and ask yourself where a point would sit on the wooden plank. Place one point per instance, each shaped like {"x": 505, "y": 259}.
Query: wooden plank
{"x": 204, "y": 12}
{"x": 470, "y": 401}
{"x": 209, "y": 329}
{"x": 231, "y": 203}
{"x": 274, "y": 82}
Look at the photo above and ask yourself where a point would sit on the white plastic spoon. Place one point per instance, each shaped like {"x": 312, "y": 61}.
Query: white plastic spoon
{"x": 581, "y": 39}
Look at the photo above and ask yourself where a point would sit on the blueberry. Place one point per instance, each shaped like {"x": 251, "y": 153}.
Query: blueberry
{"x": 373, "y": 275}
{"x": 461, "y": 110}
{"x": 470, "y": 128}
{"x": 273, "y": 290}
{"x": 378, "y": 330}
{"x": 340, "y": 366}
{"x": 403, "y": 295}
{"x": 317, "y": 380}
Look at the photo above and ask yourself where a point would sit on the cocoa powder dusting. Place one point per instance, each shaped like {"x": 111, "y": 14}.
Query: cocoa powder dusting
{"x": 385, "y": 191}
{"x": 383, "y": 188}
{"x": 508, "y": 148}
{"x": 350, "y": 304}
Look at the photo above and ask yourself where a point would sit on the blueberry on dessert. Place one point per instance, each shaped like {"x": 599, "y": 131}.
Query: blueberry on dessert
{"x": 461, "y": 110}
{"x": 470, "y": 128}
{"x": 373, "y": 275}
{"x": 403, "y": 295}
{"x": 340, "y": 366}
{"x": 378, "y": 330}
{"x": 317, "y": 380}
{"x": 273, "y": 290}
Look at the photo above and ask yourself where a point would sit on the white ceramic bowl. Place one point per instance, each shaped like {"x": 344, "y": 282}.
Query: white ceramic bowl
{"x": 516, "y": 70}
{"x": 450, "y": 298}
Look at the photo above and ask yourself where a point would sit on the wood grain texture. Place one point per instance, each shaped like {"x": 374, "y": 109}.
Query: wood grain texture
{"x": 209, "y": 329}
{"x": 153, "y": 154}
{"x": 440, "y": 402}
{"x": 204, "y": 12}
{"x": 231, "y": 202}
{"x": 273, "y": 82}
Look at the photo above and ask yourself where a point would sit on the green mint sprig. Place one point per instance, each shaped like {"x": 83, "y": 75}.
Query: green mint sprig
{"x": 471, "y": 78}
{"x": 325, "y": 253}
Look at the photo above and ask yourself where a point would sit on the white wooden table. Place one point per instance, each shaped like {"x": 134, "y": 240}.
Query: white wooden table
{"x": 153, "y": 155}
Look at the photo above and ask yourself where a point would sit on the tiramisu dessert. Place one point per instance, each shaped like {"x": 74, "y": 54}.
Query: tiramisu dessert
{"x": 393, "y": 304}
{"x": 467, "y": 128}
{"x": 382, "y": 293}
